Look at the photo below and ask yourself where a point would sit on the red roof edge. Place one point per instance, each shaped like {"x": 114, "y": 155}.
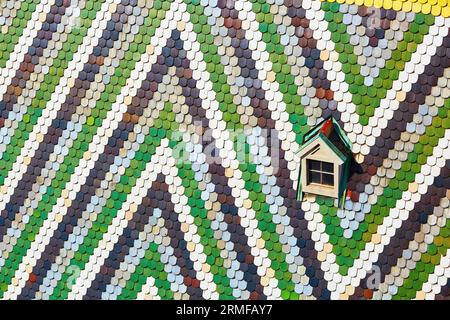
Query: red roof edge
{"x": 327, "y": 127}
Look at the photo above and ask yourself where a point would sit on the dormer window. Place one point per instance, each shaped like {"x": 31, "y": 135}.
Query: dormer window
{"x": 325, "y": 157}
{"x": 320, "y": 172}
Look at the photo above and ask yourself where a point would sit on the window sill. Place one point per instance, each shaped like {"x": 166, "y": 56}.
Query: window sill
{"x": 323, "y": 190}
{"x": 318, "y": 185}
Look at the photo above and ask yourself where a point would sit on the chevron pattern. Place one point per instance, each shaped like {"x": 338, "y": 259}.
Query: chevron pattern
{"x": 148, "y": 150}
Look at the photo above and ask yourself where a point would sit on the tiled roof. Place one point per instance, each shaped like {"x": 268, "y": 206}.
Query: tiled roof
{"x": 148, "y": 149}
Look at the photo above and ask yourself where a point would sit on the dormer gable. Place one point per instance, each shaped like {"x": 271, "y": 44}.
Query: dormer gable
{"x": 325, "y": 157}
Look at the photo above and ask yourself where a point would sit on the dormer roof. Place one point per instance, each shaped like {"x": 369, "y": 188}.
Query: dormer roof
{"x": 331, "y": 133}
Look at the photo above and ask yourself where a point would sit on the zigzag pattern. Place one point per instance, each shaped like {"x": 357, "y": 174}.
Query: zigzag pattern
{"x": 148, "y": 150}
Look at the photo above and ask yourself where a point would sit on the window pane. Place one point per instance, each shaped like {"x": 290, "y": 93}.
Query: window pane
{"x": 327, "y": 167}
{"x": 313, "y": 165}
{"x": 314, "y": 177}
{"x": 327, "y": 179}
